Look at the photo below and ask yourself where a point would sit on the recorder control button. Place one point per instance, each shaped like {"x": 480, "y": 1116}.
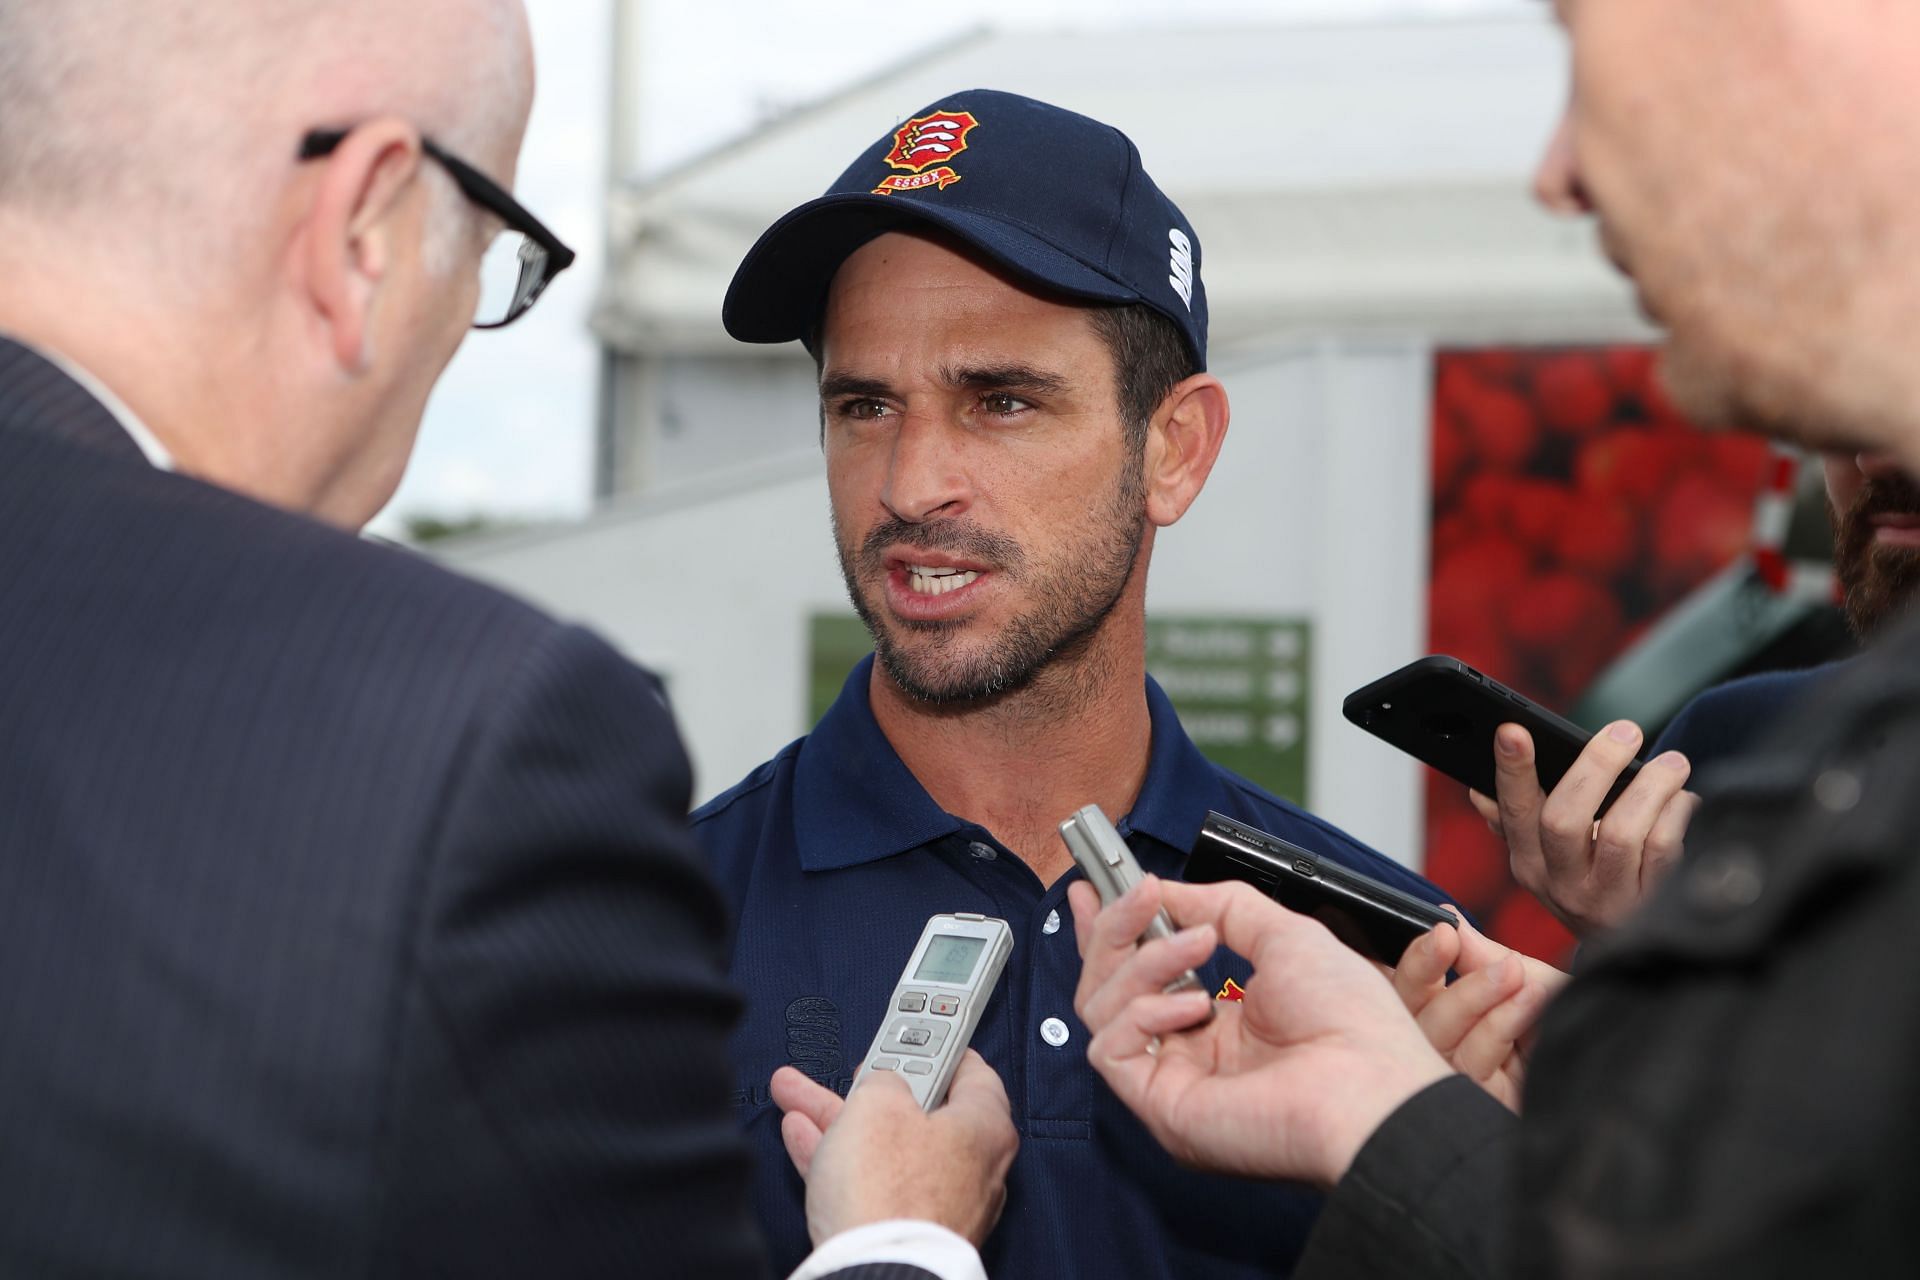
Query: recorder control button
{"x": 912, "y": 1001}
{"x": 918, "y": 1068}
{"x": 916, "y": 1038}
{"x": 887, "y": 1064}
{"x": 1304, "y": 867}
{"x": 946, "y": 1006}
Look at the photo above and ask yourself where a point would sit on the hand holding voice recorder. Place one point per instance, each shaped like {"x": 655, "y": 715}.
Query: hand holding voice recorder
{"x": 938, "y": 1001}
{"x": 1112, "y": 869}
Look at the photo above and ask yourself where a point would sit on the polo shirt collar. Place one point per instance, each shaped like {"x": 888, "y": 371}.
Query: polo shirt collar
{"x": 1181, "y": 783}
{"x": 855, "y": 802}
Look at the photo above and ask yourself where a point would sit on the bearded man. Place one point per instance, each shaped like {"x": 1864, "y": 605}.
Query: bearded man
{"x": 1010, "y": 324}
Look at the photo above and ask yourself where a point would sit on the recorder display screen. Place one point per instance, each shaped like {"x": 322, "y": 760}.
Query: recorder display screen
{"x": 949, "y": 959}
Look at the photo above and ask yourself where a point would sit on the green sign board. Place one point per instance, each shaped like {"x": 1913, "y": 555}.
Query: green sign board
{"x": 1240, "y": 685}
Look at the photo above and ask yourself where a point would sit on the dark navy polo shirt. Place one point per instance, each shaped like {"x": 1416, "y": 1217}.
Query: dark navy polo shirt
{"x": 832, "y": 857}
{"x": 1730, "y": 718}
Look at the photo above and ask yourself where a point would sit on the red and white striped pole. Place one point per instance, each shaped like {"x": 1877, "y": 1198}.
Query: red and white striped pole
{"x": 1772, "y": 515}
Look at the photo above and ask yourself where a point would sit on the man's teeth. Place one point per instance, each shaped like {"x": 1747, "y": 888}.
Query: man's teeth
{"x": 934, "y": 582}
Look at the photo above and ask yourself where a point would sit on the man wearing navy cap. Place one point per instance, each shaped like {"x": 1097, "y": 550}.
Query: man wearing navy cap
{"x": 1010, "y": 323}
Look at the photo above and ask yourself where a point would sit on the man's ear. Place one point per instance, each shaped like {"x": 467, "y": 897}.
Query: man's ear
{"x": 353, "y": 232}
{"x": 1183, "y": 440}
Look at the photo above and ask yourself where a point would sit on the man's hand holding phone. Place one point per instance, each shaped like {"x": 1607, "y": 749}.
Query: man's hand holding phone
{"x": 1591, "y": 874}
{"x": 1288, "y": 1082}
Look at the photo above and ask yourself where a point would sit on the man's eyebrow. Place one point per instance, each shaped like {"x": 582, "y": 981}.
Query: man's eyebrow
{"x": 1007, "y": 377}
{"x": 835, "y": 385}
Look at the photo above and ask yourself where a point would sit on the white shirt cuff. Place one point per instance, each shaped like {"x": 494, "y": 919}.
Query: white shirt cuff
{"x": 922, "y": 1244}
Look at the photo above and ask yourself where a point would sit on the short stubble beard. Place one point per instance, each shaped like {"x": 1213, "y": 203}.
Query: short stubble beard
{"x": 1073, "y": 601}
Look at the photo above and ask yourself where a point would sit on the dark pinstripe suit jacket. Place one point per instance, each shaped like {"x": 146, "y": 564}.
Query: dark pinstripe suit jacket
{"x": 348, "y": 923}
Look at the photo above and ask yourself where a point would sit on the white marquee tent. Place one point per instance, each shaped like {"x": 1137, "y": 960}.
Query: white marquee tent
{"x": 1361, "y": 194}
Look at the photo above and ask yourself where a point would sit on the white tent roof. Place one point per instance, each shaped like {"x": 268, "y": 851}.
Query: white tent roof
{"x": 1339, "y": 176}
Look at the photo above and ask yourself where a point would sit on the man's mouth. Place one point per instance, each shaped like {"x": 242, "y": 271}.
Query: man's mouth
{"x": 1896, "y": 528}
{"x": 935, "y": 580}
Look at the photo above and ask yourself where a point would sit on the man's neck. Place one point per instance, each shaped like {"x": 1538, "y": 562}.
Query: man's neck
{"x": 187, "y": 376}
{"x": 1080, "y": 734}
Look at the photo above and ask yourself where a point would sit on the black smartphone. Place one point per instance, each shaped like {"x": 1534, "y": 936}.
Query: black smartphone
{"x": 1443, "y": 713}
{"x": 1375, "y": 919}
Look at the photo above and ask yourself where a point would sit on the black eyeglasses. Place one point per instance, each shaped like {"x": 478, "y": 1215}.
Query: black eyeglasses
{"x": 522, "y": 260}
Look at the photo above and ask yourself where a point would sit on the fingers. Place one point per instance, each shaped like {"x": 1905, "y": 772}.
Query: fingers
{"x": 1147, "y": 969}
{"x": 1566, "y": 819}
{"x": 1488, "y": 808}
{"x": 1106, "y": 937}
{"x": 1242, "y": 916}
{"x": 976, "y": 1090}
{"x": 810, "y": 1107}
{"x": 802, "y": 1138}
{"x": 795, "y": 1092}
{"x": 1114, "y": 967}
{"x": 1491, "y": 1043}
{"x": 1667, "y": 840}
{"x": 1084, "y": 901}
{"x": 1620, "y": 842}
{"x": 1422, "y": 972}
{"x": 1476, "y": 951}
{"x": 1448, "y": 1018}
{"x": 1123, "y": 1051}
{"x": 1516, "y": 802}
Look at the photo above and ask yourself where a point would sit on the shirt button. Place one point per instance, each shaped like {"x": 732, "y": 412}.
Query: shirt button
{"x": 982, "y": 850}
{"x": 1055, "y": 1032}
{"x": 1837, "y": 790}
{"x": 1052, "y": 925}
{"x": 1727, "y": 880}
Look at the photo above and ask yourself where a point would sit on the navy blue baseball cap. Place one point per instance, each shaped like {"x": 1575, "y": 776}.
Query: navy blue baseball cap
{"x": 1056, "y": 199}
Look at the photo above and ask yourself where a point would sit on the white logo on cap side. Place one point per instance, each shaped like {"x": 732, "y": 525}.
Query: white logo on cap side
{"x": 1182, "y": 266}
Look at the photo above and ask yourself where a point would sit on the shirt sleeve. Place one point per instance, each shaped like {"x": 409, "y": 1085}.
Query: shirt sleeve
{"x": 1428, "y": 1195}
{"x": 921, "y": 1247}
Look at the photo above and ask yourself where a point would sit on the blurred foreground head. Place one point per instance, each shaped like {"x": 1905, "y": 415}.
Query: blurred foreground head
{"x": 277, "y": 322}
{"x": 1753, "y": 165}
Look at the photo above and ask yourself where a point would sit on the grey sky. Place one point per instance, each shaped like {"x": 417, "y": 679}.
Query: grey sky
{"x": 510, "y": 430}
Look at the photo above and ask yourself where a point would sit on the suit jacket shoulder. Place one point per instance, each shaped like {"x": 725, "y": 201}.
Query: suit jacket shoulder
{"x": 350, "y": 901}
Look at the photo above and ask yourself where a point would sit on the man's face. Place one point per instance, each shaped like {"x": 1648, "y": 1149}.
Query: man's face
{"x": 987, "y": 506}
{"x": 1876, "y": 536}
{"x": 1733, "y": 154}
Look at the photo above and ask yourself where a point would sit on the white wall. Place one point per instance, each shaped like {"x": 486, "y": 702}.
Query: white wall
{"x": 1318, "y": 508}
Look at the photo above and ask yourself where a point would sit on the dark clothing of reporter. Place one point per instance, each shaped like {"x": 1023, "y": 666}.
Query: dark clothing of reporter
{"x": 1727, "y": 1089}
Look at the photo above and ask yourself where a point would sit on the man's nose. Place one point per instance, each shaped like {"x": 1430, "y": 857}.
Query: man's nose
{"x": 925, "y": 475}
{"x": 1874, "y": 465}
{"x": 1556, "y": 181}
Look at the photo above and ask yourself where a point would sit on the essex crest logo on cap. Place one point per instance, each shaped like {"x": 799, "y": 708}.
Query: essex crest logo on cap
{"x": 923, "y": 141}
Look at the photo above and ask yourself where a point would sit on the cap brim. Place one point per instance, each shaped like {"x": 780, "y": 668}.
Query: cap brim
{"x": 781, "y": 287}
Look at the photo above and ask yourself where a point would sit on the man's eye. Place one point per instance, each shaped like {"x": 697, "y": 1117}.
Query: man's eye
{"x": 1001, "y": 403}
{"x": 863, "y": 410}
